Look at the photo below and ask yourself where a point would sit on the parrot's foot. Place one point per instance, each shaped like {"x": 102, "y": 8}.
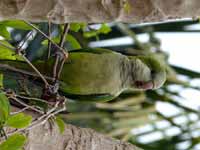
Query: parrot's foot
{"x": 50, "y": 93}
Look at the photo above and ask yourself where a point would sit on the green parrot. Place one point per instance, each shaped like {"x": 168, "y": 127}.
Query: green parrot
{"x": 98, "y": 74}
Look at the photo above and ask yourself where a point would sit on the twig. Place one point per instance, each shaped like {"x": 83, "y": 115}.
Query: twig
{"x": 55, "y": 68}
{"x": 38, "y": 121}
{"x": 61, "y": 44}
{"x": 26, "y": 60}
{"x": 49, "y": 42}
{"x": 36, "y": 70}
{"x": 53, "y": 114}
{"x": 41, "y": 32}
{"x": 63, "y": 37}
{"x": 60, "y": 69}
{"x": 8, "y": 67}
{"x": 32, "y": 98}
{"x": 46, "y": 116}
{"x": 21, "y": 110}
{"x": 26, "y": 105}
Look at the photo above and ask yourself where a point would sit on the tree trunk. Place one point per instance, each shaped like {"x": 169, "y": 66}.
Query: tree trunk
{"x": 74, "y": 138}
{"x": 91, "y": 11}
{"x": 134, "y": 11}
{"x": 48, "y": 137}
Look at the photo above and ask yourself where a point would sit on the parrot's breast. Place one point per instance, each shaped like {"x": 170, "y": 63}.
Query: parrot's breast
{"x": 88, "y": 73}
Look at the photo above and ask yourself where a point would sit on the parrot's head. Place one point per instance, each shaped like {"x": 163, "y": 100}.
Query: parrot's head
{"x": 148, "y": 73}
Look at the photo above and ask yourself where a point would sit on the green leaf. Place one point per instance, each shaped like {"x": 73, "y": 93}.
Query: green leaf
{"x": 14, "y": 142}
{"x": 61, "y": 124}
{"x": 77, "y": 26}
{"x": 74, "y": 43}
{"x": 17, "y": 24}
{"x": 19, "y": 120}
{"x": 4, "y": 32}
{"x": 4, "y": 108}
{"x": 8, "y": 53}
{"x": 55, "y": 40}
{"x": 90, "y": 34}
{"x": 105, "y": 29}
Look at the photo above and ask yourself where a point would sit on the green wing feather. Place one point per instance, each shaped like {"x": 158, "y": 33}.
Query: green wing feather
{"x": 92, "y": 50}
{"x": 90, "y": 98}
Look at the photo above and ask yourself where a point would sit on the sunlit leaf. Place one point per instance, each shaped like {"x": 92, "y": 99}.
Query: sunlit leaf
{"x": 90, "y": 34}
{"x": 17, "y": 24}
{"x": 7, "y": 53}
{"x": 77, "y": 26}
{"x": 74, "y": 43}
{"x": 61, "y": 124}
{"x": 20, "y": 120}
{"x": 4, "y": 108}
{"x": 55, "y": 40}
{"x": 14, "y": 142}
{"x": 71, "y": 39}
{"x": 4, "y": 32}
{"x": 104, "y": 29}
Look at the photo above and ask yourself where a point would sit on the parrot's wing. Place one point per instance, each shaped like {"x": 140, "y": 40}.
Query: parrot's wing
{"x": 92, "y": 50}
{"x": 90, "y": 98}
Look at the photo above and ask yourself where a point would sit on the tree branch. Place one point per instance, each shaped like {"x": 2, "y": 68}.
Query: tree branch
{"x": 74, "y": 138}
{"x": 46, "y": 137}
{"x": 66, "y": 11}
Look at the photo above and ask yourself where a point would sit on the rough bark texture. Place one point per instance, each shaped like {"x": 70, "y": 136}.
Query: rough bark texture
{"x": 74, "y": 138}
{"x": 46, "y": 137}
{"x": 60, "y": 11}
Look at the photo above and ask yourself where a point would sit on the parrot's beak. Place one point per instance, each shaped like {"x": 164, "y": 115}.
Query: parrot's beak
{"x": 144, "y": 85}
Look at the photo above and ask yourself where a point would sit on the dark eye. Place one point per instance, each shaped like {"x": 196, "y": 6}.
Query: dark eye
{"x": 153, "y": 73}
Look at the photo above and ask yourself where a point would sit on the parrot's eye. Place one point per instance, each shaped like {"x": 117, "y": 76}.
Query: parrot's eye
{"x": 153, "y": 72}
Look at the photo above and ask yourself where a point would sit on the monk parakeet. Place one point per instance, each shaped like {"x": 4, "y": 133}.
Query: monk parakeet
{"x": 101, "y": 74}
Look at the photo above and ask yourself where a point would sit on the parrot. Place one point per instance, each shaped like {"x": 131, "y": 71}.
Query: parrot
{"x": 96, "y": 74}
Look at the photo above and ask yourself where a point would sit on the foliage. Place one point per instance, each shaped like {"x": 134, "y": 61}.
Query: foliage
{"x": 117, "y": 118}
{"x": 14, "y": 142}
{"x": 4, "y": 109}
{"x": 61, "y": 124}
{"x": 19, "y": 120}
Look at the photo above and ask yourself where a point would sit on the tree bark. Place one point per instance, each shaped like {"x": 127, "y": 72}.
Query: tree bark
{"x": 74, "y": 138}
{"x": 48, "y": 137}
{"x": 93, "y": 11}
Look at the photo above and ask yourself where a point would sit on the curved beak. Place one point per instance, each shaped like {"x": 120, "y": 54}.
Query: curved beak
{"x": 144, "y": 85}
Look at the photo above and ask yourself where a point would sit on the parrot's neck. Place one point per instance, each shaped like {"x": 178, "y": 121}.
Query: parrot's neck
{"x": 126, "y": 74}
{"x": 129, "y": 73}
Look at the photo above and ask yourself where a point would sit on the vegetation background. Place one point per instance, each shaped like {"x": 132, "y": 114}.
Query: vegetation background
{"x": 132, "y": 117}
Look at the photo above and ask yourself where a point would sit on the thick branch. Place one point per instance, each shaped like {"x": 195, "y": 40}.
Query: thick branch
{"x": 74, "y": 138}
{"x": 46, "y": 137}
{"x": 63, "y": 11}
